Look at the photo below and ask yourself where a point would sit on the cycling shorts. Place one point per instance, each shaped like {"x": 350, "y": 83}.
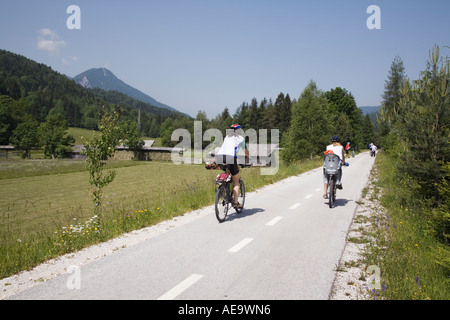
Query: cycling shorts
{"x": 230, "y": 163}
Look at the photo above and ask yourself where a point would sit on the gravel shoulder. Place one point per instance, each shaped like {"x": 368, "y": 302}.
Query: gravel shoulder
{"x": 352, "y": 278}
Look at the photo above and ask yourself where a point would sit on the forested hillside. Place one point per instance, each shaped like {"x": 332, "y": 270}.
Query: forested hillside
{"x": 28, "y": 88}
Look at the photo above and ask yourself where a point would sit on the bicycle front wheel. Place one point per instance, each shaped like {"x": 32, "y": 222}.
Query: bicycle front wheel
{"x": 221, "y": 203}
{"x": 241, "y": 196}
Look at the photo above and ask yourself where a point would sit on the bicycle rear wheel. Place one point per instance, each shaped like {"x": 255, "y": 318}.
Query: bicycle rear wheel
{"x": 221, "y": 203}
{"x": 331, "y": 189}
{"x": 241, "y": 196}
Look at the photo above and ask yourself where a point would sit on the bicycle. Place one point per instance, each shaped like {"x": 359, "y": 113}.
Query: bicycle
{"x": 224, "y": 195}
{"x": 331, "y": 166}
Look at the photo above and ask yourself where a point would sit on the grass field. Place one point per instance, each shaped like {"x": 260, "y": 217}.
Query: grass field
{"x": 46, "y": 208}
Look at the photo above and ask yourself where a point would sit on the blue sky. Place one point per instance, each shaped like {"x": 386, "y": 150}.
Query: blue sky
{"x": 209, "y": 54}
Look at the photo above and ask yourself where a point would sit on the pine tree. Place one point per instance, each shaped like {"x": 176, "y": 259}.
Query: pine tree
{"x": 368, "y": 131}
{"x": 283, "y": 105}
{"x": 391, "y": 95}
{"x": 241, "y": 115}
{"x": 422, "y": 124}
{"x": 253, "y": 115}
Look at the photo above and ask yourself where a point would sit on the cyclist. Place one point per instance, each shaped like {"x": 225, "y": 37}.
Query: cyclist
{"x": 227, "y": 155}
{"x": 337, "y": 149}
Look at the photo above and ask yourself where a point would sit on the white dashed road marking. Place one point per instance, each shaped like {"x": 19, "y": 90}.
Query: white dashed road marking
{"x": 175, "y": 291}
{"x": 240, "y": 245}
{"x": 295, "y": 206}
{"x": 273, "y": 221}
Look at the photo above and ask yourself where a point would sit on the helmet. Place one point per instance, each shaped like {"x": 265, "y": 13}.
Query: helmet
{"x": 335, "y": 139}
{"x": 235, "y": 126}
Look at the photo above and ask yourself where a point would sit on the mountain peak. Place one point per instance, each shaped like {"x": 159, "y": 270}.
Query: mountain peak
{"x": 97, "y": 78}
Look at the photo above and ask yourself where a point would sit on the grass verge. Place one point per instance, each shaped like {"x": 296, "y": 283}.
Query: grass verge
{"x": 413, "y": 263}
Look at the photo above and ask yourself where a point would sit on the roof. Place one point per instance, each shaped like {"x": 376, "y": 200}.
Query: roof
{"x": 79, "y": 148}
{"x": 147, "y": 145}
{"x": 259, "y": 150}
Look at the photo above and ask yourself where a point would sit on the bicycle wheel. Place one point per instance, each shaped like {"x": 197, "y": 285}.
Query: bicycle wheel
{"x": 241, "y": 196}
{"x": 221, "y": 203}
{"x": 331, "y": 193}
{"x": 334, "y": 192}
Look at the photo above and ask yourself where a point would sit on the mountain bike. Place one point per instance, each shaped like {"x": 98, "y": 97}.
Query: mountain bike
{"x": 331, "y": 166}
{"x": 224, "y": 196}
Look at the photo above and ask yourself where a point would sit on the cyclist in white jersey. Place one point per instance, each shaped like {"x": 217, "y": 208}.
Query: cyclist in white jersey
{"x": 227, "y": 155}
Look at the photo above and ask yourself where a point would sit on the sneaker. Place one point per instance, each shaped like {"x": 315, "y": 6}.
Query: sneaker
{"x": 325, "y": 196}
{"x": 339, "y": 186}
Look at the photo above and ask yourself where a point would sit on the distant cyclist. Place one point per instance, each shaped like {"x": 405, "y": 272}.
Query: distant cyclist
{"x": 227, "y": 155}
{"x": 338, "y": 150}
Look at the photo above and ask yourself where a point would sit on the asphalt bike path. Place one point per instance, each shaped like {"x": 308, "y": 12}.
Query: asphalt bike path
{"x": 285, "y": 245}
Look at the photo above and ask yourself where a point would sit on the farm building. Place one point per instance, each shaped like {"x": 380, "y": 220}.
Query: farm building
{"x": 147, "y": 152}
{"x": 5, "y": 151}
{"x": 260, "y": 154}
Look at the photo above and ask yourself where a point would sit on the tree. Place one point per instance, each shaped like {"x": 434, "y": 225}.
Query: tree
{"x": 223, "y": 121}
{"x": 310, "y": 128}
{"x": 166, "y": 132}
{"x": 283, "y": 106}
{"x": 346, "y": 115}
{"x": 52, "y": 135}
{"x": 344, "y": 130}
{"x": 201, "y": 116}
{"x": 421, "y": 122}
{"x": 7, "y": 122}
{"x": 98, "y": 149}
{"x": 368, "y": 131}
{"x": 241, "y": 115}
{"x": 25, "y": 136}
{"x": 391, "y": 95}
{"x": 253, "y": 115}
{"x": 131, "y": 136}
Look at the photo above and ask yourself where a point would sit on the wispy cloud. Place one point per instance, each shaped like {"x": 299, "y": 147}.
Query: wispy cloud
{"x": 49, "y": 41}
{"x": 69, "y": 60}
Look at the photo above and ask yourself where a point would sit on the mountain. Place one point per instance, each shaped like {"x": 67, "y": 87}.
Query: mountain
{"x": 104, "y": 79}
{"x": 32, "y": 89}
{"x": 369, "y": 109}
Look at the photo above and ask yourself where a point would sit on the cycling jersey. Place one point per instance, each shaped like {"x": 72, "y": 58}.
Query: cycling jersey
{"x": 336, "y": 150}
{"x": 231, "y": 145}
